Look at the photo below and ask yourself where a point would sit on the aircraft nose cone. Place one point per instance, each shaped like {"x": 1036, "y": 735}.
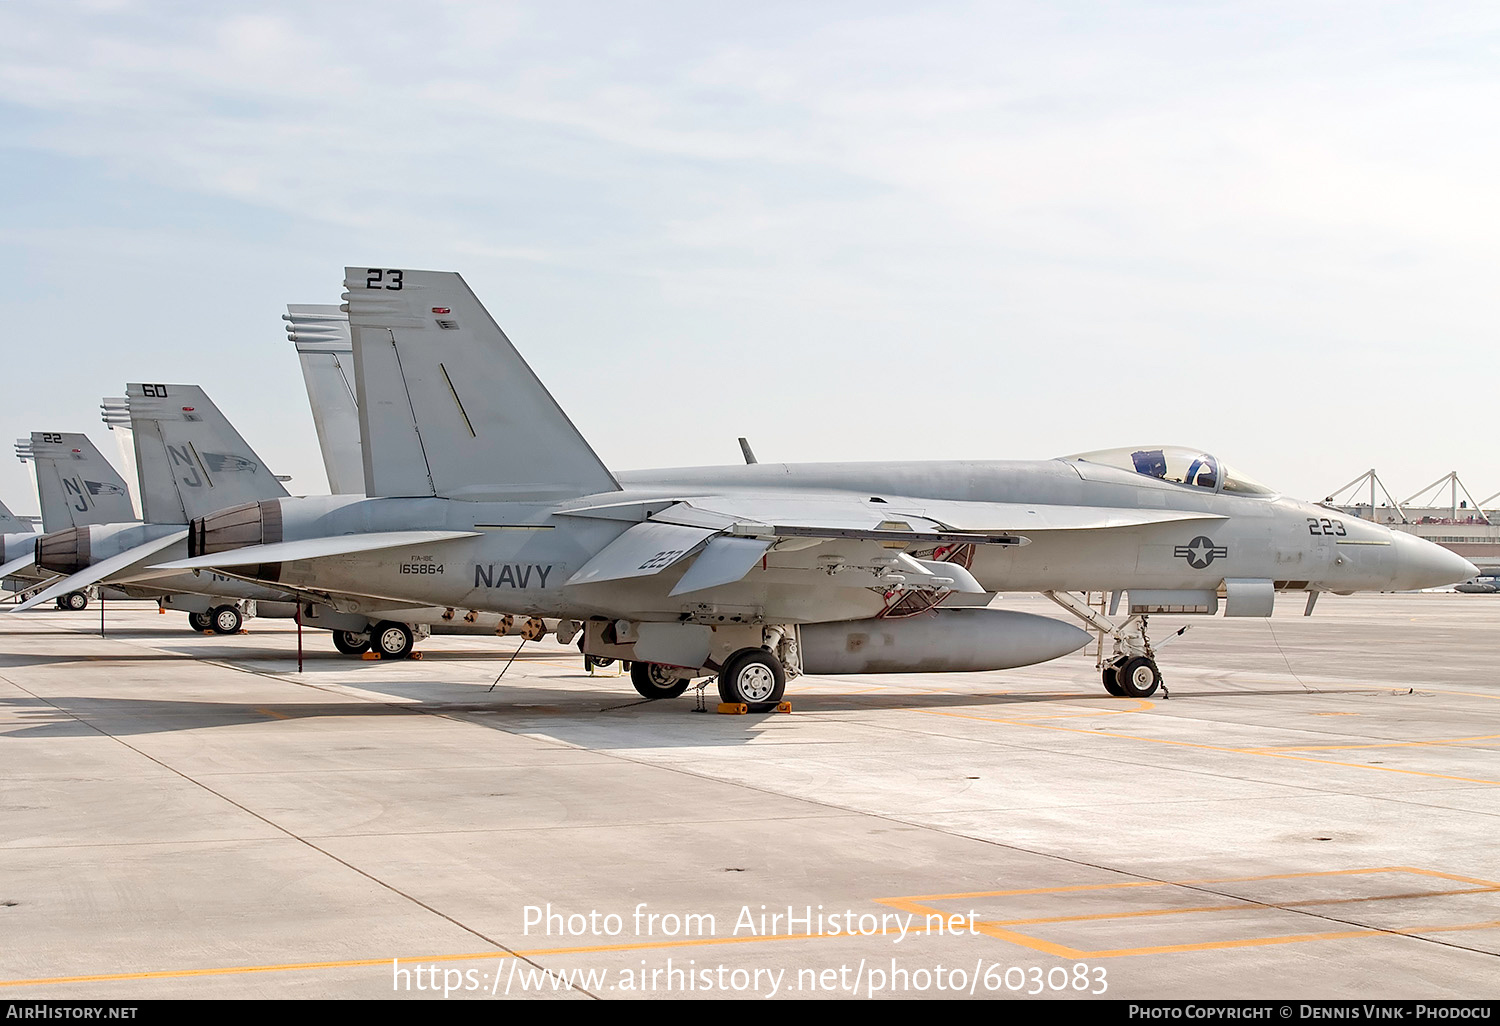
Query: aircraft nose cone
{"x": 1424, "y": 564}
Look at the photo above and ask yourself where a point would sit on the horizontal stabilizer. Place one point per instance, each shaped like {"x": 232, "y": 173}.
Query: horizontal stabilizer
{"x": 723, "y": 561}
{"x": 12, "y": 524}
{"x": 18, "y": 564}
{"x": 314, "y": 548}
{"x": 643, "y": 550}
{"x": 100, "y": 570}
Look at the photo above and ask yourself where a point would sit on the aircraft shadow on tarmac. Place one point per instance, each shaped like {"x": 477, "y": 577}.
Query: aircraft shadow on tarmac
{"x": 590, "y": 718}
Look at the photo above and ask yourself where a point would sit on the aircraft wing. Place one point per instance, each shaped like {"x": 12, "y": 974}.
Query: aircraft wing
{"x": 313, "y": 548}
{"x": 724, "y": 536}
{"x": 932, "y": 519}
{"x": 16, "y": 565}
{"x": 1020, "y": 516}
{"x": 100, "y": 570}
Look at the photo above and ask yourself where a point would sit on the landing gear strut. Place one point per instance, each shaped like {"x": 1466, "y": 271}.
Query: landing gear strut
{"x": 1130, "y": 671}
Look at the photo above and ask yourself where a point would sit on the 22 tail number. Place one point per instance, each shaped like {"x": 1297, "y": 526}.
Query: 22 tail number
{"x": 1322, "y": 526}
{"x": 375, "y": 278}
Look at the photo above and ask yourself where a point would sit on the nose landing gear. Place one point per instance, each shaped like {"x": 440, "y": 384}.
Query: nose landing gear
{"x": 1130, "y": 671}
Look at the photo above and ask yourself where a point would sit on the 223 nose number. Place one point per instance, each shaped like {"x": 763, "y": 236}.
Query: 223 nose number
{"x": 1322, "y": 525}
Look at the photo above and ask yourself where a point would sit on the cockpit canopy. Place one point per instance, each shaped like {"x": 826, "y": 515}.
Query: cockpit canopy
{"x": 1177, "y": 465}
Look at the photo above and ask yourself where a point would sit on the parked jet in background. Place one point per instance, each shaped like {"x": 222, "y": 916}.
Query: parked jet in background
{"x": 1487, "y": 582}
{"x": 12, "y": 526}
{"x": 76, "y": 487}
{"x": 190, "y": 459}
{"x": 483, "y": 495}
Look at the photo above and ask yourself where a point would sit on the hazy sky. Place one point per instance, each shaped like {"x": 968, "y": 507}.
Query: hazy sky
{"x": 850, "y": 231}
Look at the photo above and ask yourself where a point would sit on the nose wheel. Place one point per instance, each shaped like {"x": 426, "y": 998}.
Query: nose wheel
{"x": 1137, "y": 677}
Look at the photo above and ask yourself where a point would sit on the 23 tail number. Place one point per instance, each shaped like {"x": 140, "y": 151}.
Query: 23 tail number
{"x": 375, "y": 278}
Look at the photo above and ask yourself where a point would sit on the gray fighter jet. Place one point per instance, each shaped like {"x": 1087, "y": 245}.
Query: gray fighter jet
{"x": 76, "y": 487}
{"x": 483, "y": 495}
{"x": 189, "y": 459}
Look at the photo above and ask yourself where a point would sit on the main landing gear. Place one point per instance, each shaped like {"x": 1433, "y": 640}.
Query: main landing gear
{"x": 352, "y": 643}
{"x": 73, "y": 600}
{"x": 393, "y": 640}
{"x": 652, "y": 680}
{"x": 753, "y": 677}
{"x": 1130, "y": 671}
{"x": 226, "y": 620}
{"x": 219, "y": 620}
{"x": 750, "y": 676}
{"x": 388, "y": 639}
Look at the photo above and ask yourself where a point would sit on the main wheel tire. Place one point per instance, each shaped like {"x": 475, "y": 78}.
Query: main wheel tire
{"x": 1111, "y": 682}
{"x": 753, "y": 677}
{"x": 200, "y": 622}
{"x": 392, "y": 640}
{"x": 59, "y": 603}
{"x": 1138, "y": 677}
{"x": 351, "y": 643}
{"x": 76, "y": 600}
{"x": 652, "y": 680}
{"x": 226, "y": 620}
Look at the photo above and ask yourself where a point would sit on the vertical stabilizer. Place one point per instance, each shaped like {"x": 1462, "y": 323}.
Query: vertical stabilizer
{"x": 447, "y": 406}
{"x": 115, "y": 413}
{"x": 191, "y": 460}
{"x": 76, "y": 485}
{"x": 321, "y": 335}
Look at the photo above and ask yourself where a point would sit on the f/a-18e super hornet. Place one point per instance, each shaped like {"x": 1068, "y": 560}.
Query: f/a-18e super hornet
{"x": 183, "y": 450}
{"x": 483, "y": 495}
{"x": 76, "y": 487}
